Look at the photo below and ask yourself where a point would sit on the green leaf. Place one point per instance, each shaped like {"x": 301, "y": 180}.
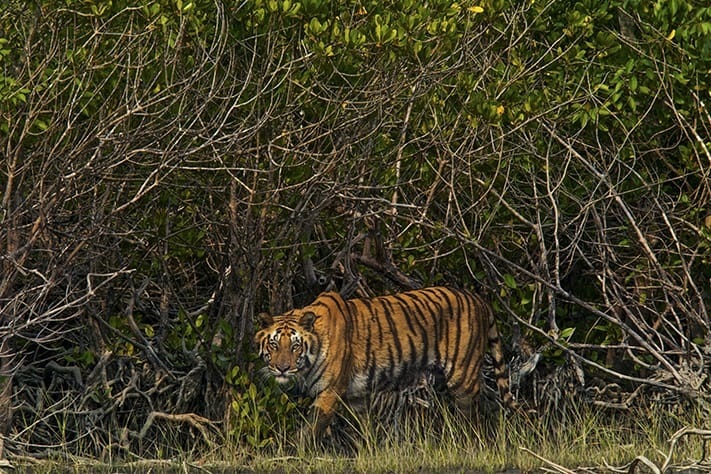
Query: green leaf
{"x": 566, "y": 333}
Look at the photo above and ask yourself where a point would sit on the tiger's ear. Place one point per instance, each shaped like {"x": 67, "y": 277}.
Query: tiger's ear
{"x": 307, "y": 320}
{"x": 265, "y": 320}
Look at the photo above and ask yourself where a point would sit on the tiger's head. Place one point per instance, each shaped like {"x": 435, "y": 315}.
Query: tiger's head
{"x": 287, "y": 344}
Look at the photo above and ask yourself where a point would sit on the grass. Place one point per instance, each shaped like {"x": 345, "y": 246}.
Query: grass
{"x": 585, "y": 438}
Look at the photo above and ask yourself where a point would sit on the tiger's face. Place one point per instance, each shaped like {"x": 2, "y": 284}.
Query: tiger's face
{"x": 287, "y": 344}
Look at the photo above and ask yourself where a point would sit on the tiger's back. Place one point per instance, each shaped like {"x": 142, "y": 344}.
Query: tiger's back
{"x": 349, "y": 349}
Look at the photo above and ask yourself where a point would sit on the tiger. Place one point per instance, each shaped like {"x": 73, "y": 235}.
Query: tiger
{"x": 337, "y": 350}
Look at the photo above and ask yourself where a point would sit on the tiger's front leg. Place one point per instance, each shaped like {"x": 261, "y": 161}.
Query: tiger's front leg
{"x": 324, "y": 408}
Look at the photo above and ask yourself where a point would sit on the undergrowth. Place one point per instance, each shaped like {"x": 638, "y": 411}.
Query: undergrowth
{"x": 583, "y": 437}
{"x": 589, "y": 437}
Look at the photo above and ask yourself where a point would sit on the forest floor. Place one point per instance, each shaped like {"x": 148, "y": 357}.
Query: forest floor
{"x": 591, "y": 443}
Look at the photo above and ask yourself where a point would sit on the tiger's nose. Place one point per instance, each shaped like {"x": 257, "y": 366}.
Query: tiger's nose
{"x": 283, "y": 368}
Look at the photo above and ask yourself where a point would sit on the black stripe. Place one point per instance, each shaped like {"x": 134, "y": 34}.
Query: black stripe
{"x": 467, "y": 314}
{"x": 425, "y": 334}
{"x": 474, "y": 328}
{"x": 441, "y": 324}
{"x": 368, "y": 346}
{"x": 316, "y": 372}
{"x": 476, "y": 375}
{"x": 342, "y": 305}
{"x": 374, "y": 316}
{"x": 370, "y": 360}
{"x": 413, "y": 359}
{"x": 423, "y": 310}
{"x": 393, "y": 336}
{"x": 387, "y": 305}
{"x": 477, "y": 314}
{"x": 463, "y": 309}
{"x": 432, "y": 305}
{"x": 413, "y": 312}
{"x": 470, "y": 323}
{"x": 454, "y": 309}
{"x": 444, "y": 335}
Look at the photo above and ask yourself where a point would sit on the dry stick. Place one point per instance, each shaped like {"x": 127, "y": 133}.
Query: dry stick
{"x": 705, "y": 435}
{"x": 433, "y": 188}
{"x": 557, "y": 467}
{"x": 400, "y": 148}
{"x": 196, "y": 421}
{"x": 552, "y": 324}
{"x": 390, "y": 270}
{"x": 146, "y": 345}
{"x": 644, "y": 460}
{"x": 687, "y": 270}
{"x": 632, "y": 466}
{"x": 72, "y": 370}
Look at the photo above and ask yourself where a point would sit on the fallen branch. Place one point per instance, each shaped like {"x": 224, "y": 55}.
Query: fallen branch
{"x": 631, "y": 467}
{"x": 389, "y": 270}
{"x": 557, "y": 467}
{"x": 704, "y": 434}
{"x": 196, "y": 421}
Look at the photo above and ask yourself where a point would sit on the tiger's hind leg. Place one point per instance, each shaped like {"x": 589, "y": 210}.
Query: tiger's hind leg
{"x": 466, "y": 400}
{"x": 469, "y": 400}
{"x": 464, "y": 383}
{"x": 477, "y": 407}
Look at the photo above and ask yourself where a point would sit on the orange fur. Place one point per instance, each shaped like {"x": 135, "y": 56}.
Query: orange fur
{"x": 347, "y": 349}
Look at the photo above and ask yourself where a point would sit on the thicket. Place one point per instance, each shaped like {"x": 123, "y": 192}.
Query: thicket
{"x": 172, "y": 167}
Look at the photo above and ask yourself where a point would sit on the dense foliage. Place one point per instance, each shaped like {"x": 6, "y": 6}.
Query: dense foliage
{"x": 172, "y": 167}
